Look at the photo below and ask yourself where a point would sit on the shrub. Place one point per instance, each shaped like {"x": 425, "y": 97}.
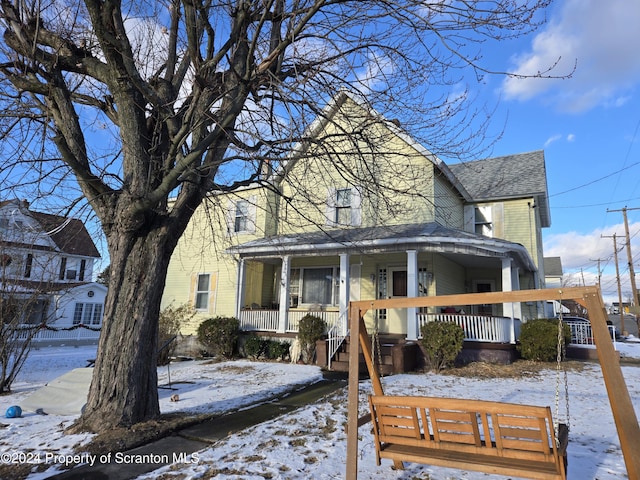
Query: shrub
{"x": 254, "y": 346}
{"x": 277, "y": 350}
{"x": 310, "y": 330}
{"x": 219, "y": 335}
{"x": 539, "y": 339}
{"x": 170, "y": 321}
{"x": 442, "y": 342}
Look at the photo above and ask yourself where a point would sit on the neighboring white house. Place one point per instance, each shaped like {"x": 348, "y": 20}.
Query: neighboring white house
{"x": 46, "y": 273}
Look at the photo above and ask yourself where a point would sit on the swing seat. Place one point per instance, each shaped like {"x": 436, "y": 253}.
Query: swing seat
{"x": 490, "y": 437}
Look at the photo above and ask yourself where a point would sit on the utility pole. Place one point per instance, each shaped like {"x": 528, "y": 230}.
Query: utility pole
{"x": 632, "y": 274}
{"x": 615, "y": 256}
{"x": 599, "y": 270}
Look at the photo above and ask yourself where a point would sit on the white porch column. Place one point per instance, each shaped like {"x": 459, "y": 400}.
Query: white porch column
{"x": 412, "y": 291}
{"x": 240, "y": 287}
{"x": 510, "y": 309}
{"x": 285, "y": 276}
{"x": 344, "y": 286}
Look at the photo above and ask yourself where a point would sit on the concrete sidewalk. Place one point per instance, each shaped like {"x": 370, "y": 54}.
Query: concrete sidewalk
{"x": 181, "y": 446}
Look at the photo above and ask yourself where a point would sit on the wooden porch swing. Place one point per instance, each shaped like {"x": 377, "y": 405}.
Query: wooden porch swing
{"x": 491, "y": 437}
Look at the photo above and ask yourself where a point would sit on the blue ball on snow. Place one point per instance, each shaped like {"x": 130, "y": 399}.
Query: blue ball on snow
{"x": 13, "y": 412}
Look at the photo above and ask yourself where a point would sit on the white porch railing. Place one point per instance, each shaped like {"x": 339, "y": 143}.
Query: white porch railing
{"x": 268, "y": 320}
{"x": 581, "y": 334}
{"x": 480, "y": 328}
{"x": 261, "y": 320}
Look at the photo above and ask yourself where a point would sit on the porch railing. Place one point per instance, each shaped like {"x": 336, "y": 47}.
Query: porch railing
{"x": 581, "y": 334}
{"x": 480, "y": 328}
{"x": 269, "y": 320}
{"x": 336, "y": 336}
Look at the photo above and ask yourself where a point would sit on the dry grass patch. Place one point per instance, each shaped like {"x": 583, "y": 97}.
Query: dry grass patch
{"x": 519, "y": 369}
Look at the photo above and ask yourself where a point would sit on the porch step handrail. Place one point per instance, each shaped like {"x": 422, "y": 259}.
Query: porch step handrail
{"x": 336, "y": 336}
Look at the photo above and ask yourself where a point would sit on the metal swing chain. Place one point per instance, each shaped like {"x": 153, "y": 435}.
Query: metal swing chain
{"x": 560, "y": 354}
{"x": 376, "y": 345}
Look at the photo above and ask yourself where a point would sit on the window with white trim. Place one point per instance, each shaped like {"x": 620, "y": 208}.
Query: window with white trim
{"x": 344, "y": 207}
{"x": 315, "y": 285}
{"x": 202, "y": 292}
{"x": 483, "y": 221}
{"x": 241, "y": 220}
{"x": 88, "y": 314}
{"x": 241, "y": 215}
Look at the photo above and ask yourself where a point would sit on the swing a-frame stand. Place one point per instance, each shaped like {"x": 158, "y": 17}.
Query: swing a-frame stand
{"x": 589, "y": 297}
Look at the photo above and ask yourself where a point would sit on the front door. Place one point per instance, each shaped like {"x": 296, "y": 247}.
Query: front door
{"x": 397, "y": 288}
{"x": 484, "y": 286}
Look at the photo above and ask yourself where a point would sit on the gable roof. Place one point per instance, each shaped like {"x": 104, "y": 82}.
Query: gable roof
{"x": 69, "y": 235}
{"x": 507, "y": 177}
{"x": 330, "y": 111}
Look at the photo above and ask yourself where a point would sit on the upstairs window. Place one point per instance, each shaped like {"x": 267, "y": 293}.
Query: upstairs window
{"x": 28, "y": 266}
{"x": 241, "y": 215}
{"x": 241, "y": 223}
{"x": 344, "y": 207}
{"x": 483, "y": 221}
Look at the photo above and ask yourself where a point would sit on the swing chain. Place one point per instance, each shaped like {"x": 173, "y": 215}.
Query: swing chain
{"x": 560, "y": 355}
{"x": 377, "y": 348}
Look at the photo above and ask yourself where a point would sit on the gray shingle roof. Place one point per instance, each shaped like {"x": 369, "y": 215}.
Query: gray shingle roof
{"x": 553, "y": 266}
{"x": 508, "y": 177}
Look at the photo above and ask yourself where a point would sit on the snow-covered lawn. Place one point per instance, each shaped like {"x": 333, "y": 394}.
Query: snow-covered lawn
{"x": 311, "y": 442}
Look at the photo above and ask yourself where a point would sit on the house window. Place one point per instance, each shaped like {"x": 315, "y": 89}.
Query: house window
{"x": 483, "y": 222}
{"x": 28, "y": 265}
{"x": 382, "y": 292}
{"x": 4, "y": 223}
{"x": 318, "y": 286}
{"x": 241, "y": 223}
{"x": 83, "y": 266}
{"x": 63, "y": 267}
{"x": 202, "y": 292}
{"x": 343, "y": 207}
{"x": 87, "y": 314}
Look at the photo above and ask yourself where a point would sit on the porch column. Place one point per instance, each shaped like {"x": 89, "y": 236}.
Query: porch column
{"x": 412, "y": 291}
{"x": 285, "y": 276}
{"x": 508, "y": 284}
{"x": 344, "y": 288}
{"x": 240, "y": 287}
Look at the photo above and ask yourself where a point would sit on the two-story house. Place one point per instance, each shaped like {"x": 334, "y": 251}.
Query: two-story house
{"x": 46, "y": 273}
{"x": 365, "y": 211}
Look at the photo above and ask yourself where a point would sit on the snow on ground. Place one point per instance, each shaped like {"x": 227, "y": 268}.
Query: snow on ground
{"x": 310, "y": 442}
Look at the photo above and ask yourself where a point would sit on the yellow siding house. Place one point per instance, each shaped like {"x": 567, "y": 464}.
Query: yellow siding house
{"x": 370, "y": 214}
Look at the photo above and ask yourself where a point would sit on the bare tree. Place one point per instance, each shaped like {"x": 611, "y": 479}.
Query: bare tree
{"x": 145, "y": 101}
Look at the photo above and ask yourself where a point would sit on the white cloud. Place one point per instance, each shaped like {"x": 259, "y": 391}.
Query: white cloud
{"x": 602, "y": 37}
{"x": 571, "y": 137}
{"x": 552, "y": 139}
{"x": 580, "y": 254}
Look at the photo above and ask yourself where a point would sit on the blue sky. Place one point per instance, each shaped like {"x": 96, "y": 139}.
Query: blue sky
{"x": 588, "y": 125}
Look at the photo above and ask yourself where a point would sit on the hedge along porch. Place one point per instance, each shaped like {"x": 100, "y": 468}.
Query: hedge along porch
{"x": 622, "y": 408}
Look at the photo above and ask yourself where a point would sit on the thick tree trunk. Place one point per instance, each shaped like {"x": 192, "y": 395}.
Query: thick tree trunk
{"x": 124, "y": 389}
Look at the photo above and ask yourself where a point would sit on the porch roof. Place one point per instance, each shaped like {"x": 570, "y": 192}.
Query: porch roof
{"x": 431, "y": 237}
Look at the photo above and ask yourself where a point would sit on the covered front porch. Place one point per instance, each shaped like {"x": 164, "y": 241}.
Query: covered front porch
{"x": 282, "y": 279}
